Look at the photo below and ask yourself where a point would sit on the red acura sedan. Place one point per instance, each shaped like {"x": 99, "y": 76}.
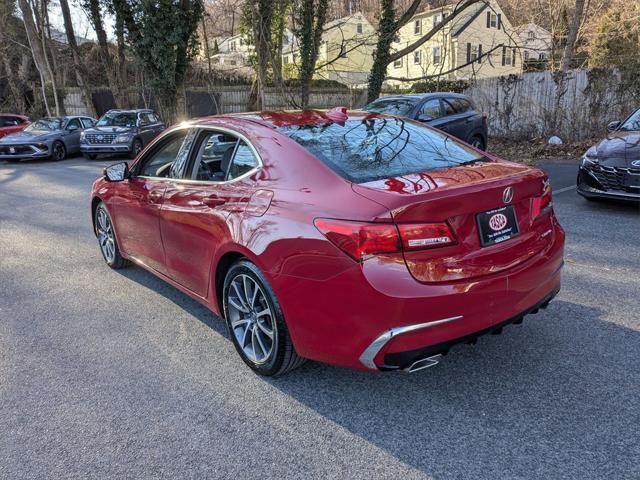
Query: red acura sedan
{"x": 350, "y": 238}
{"x": 10, "y": 123}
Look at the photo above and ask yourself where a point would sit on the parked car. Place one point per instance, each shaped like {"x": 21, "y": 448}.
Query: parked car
{"x": 49, "y": 138}
{"x": 121, "y": 131}
{"x": 10, "y": 123}
{"x": 453, "y": 113}
{"x": 356, "y": 239}
{"x": 611, "y": 169}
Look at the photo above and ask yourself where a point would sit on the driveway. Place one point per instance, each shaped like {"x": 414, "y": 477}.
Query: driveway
{"x": 117, "y": 374}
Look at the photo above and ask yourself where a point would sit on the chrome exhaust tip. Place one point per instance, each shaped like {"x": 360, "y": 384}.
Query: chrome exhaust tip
{"x": 423, "y": 363}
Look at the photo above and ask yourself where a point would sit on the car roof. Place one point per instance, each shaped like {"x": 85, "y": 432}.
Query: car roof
{"x": 420, "y": 96}
{"x": 130, "y": 110}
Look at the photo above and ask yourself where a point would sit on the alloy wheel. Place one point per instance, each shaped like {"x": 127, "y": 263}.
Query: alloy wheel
{"x": 58, "y": 151}
{"x": 251, "y": 319}
{"x": 105, "y": 235}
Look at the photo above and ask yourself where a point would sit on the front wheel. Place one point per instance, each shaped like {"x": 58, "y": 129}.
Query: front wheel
{"x": 256, "y": 322}
{"x": 58, "y": 151}
{"x": 107, "y": 238}
{"x": 136, "y": 148}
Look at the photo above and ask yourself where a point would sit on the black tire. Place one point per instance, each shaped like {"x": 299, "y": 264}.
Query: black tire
{"x": 114, "y": 260}
{"x": 136, "y": 148}
{"x": 90, "y": 156}
{"x": 13, "y": 160}
{"x": 58, "y": 151}
{"x": 478, "y": 142}
{"x": 283, "y": 356}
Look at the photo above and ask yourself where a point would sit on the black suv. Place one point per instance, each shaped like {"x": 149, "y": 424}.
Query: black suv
{"x": 121, "y": 131}
{"x": 450, "y": 112}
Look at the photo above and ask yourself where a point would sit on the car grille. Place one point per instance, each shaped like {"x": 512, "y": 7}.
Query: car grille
{"x": 100, "y": 138}
{"x": 17, "y": 149}
{"x": 615, "y": 178}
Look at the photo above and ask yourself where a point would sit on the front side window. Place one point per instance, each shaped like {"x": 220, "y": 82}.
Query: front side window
{"x": 159, "y": 162}
{"x": 118, "y": 119}
{"x": 631, "y": 124}
{"x": 392, "y": 106}
{"x": 367, "y": 149}
{"x": 431, "y": 108}
{"x": 73, "y": 124}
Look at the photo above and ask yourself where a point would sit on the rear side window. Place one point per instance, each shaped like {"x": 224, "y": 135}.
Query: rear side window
{"x": 460, "y": 105}
{"x": 244, "y": 160}
{"x": 392, "y": 106}
{"x": 9, "y": 121}
{"x": 448, "y": 108}
{"x": 364, "y": 150}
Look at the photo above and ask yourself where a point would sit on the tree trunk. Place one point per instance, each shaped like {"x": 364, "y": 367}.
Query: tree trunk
{"x": 261, "y": 19}
{"x": 312, "y": 19}
{"x": 95, "y": 15}
{"x": 383, "y": 48}
{"x": 205, "y": 37}
{"x": 14, "y": 84}
{"x": 41, "y": 22}
{"x": 572, "y": 36}
{"x": 36, "y": 49}
{"x": 81, "y": 73}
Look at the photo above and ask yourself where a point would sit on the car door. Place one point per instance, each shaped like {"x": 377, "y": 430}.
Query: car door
{"x": 458, "y": 117}
{"x": 138, "y": 201}
{"x": 145, "y": 129}
{"x": 200, "y": 213}
{"x": 71, "y": 135}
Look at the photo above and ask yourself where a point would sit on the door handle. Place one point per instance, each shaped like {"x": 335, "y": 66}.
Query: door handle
{"x": 213, "y": 201}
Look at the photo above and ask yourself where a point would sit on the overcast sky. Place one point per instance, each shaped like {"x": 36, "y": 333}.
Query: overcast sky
{"x": 81, "y": 24}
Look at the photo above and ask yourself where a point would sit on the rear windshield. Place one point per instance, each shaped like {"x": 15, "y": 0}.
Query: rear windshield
{"x": 364, "y": 150}
{"x": 392, "y": 106}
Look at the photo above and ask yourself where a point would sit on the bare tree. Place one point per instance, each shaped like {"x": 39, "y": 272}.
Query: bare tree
{"x": 80, "y": 70}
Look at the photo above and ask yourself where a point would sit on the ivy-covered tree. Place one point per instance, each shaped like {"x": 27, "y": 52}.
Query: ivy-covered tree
{"x": 617, "y": 37}
{"x": 310, "y": 19}
{"x": 163, "y": 36}
{"x": 388, "y": 28}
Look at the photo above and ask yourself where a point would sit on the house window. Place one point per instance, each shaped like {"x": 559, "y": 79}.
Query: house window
{"x": 542, "y": 56}
{"x": 232, "y": 46}
{"x": 506, "y": 56}
{"x": 437, "y": 55}
{"x": 359, "y": 28}
{"x": 241, "y": 42}
{"x": 343, "y": 53}
{"x": 526, "y": 55}
{"x": 417, "y": 57}
{"x": 285, "y": 60}
{"x": 531, "y": 35}
{"x": 417, "y": 27}
{"x": 492, "y": 20}
{"x": 474, "y": 53}
{"x": 437, "y": 19}
{"x": 285, "y": 40}
{"x": 397, "y": 63}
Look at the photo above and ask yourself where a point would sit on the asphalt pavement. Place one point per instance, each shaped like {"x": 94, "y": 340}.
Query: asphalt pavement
{"x": 116, "y": 374}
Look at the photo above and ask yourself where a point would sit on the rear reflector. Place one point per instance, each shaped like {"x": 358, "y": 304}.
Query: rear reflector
{"x": 362, "y": 239}
{"x": 425, "y": 235}
{"x": 540, "y": 205}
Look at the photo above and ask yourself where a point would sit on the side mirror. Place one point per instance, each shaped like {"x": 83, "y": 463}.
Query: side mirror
{"x": 613, "y": 126}
{"x": 425, "y": 117}
{"x": 117, "y": 172}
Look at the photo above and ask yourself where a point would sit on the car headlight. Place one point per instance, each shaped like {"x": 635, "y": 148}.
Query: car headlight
{"x": 82, "y": 139}
{"x": 123, "y": 138}
{"x": 590, "y": 158}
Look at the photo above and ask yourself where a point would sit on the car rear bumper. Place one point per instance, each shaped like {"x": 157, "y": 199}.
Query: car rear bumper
{"x": 337, "y": 321}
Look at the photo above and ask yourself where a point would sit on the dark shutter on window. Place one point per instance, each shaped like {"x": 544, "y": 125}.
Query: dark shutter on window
{"x": 499, "y": 21}
{"x": 480, "y": 53}
{"x": 468, "y": 53}
{"x": 504, "y": 56}
{"x": 513, "y": 57}
{"x": 488, "y": 19}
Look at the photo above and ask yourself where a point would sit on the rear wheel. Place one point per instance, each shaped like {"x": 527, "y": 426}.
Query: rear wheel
{"x": 107, "y": 238}
{"x": 256, "y": 322}
{"x": 477, "y": 142}
{"x": 58, "y": 151}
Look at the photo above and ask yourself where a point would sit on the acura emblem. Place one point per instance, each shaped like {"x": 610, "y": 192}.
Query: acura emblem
{"x": 635, "y": 163}
{"x": 507, "y": 195}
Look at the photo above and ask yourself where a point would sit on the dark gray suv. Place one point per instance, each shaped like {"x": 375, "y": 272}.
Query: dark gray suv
{"x": 121, "y": 131}
{"x": 452, "y": 113}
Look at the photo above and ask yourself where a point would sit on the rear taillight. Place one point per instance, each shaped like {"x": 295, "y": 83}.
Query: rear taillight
{"x": 419, "y": 236}
{"x": 541, "y": 205}
{"x": 362, "y": 239}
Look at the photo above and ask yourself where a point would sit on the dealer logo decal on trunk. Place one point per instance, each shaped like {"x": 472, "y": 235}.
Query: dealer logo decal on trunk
{"x": 497, "y": 222}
